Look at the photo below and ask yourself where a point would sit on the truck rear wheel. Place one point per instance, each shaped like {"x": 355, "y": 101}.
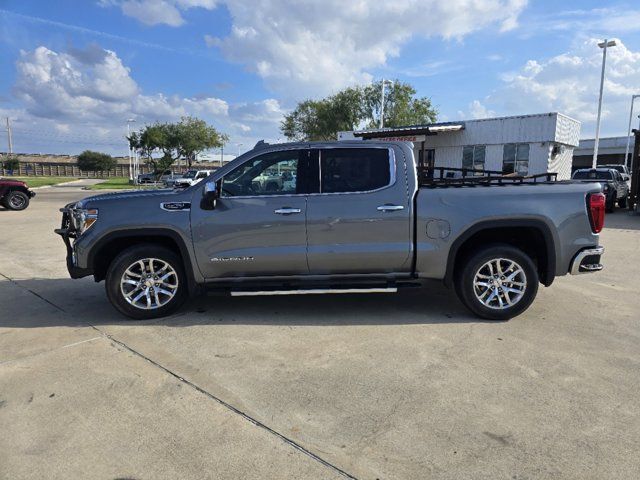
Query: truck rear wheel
{"x": 498, "y": 282}
{"x": 146, "y": 281}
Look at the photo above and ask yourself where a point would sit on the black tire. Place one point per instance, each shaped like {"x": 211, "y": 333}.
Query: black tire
{"x": 125, "y": 260}
{"x": 472, "y": 265}
{"x": 611, "y": 205}
{"x": 622, "y": 203}
{"x": 16, "y": 200}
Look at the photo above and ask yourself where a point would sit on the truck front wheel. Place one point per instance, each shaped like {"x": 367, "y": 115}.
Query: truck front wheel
{"x": 497, "y": 282}
{"x": 16, "y": 200}
{"x": 146, "y": 281}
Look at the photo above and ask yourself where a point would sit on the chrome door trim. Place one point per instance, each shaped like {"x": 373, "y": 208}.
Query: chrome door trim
{"x": 390, "y": 208}
{"x": 287, "y": 211}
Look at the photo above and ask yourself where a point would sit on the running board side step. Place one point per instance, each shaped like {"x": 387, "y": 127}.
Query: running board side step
{"x": 314, "y": 291}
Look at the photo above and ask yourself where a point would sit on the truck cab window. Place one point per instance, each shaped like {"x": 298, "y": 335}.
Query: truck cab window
{"x": 354, "y": 169}
{"x": 274, "y": 173}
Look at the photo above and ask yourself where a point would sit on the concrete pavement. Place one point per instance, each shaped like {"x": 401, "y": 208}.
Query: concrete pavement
{"x": 376, "y": 386}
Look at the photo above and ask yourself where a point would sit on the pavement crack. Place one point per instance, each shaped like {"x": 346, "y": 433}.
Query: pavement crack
{"x": 18, "y": 359}
{"x": 230, "y": 407}
{"x": 196, "y": 387}
{"x": 33, "y": 292}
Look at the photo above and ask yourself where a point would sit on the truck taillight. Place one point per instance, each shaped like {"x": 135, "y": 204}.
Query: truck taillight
{"x": 596, "y": 203}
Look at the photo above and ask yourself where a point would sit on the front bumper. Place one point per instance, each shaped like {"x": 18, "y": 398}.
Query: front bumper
{"x": 31, "y": 193}
{"x": 67, "y": 233}
{"x": 587, "y": 261}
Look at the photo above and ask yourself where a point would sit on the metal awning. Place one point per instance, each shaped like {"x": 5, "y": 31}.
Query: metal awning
{"x": 410, "y": 130}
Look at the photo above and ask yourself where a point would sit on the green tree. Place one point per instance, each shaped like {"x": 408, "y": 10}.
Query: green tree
{"x": 401, "y": 107}
{"x": 323, "y": 119}
{"x": 90, "y": 161}
{"x": 191, "y": 136}
{"x": 173, "y": 141}
{"x": 11, "y": 163}
{"x": 154, "y": 139}
{"x": 357, "y": 107}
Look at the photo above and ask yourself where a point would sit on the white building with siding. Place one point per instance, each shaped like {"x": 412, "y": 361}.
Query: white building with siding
{"x": 528, "y": 144}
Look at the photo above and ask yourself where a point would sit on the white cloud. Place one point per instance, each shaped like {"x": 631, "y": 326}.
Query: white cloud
{"x": 476, "y": 111}
{"x": 569, "y": 83}
{"x": 155, "y": 12}
{"x": 314, "y": 48}
{"x": 604, "y": 20}
{"x": 265, "y": 111}
{"x": 84, "y": 96}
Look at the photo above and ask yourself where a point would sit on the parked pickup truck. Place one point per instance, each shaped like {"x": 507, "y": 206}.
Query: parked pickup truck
{"x": 191, "y": 178}
{"x": 614, "y": 186}
{"x": 357, "y": 217}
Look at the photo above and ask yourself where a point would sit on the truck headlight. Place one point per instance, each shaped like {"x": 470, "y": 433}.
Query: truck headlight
{"x": 84, "y": 219}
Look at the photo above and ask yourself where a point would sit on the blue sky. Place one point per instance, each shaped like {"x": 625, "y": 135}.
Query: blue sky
{"x": 74, "y": 71}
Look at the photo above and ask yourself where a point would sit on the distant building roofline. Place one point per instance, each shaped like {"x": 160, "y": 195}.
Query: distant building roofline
{"x": 423, "y": 129}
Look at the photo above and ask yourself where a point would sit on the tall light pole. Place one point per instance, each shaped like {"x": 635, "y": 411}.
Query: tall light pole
{"x": 626, "y": 152}
{"x": 603, "y": 45}
{"x": 239, "y": 145}
{"x": 129, "y": 122}
{"x": 384, "y": 82}
{"x": 9, "y": 137}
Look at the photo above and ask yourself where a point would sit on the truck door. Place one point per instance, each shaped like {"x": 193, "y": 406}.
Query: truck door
{"x": 359, "y": 222}
{"x": 258, "y": 226}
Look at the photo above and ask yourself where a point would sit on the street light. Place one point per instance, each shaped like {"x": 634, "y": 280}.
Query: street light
{"x": 129, "y": 122}
{"x": 626, "y": 152}
{"x": 389, "y": 82}
{"x": 239, "y": 145}
{"x": 603, "y": 45}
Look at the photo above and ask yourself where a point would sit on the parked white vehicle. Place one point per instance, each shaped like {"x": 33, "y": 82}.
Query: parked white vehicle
{"x": 191, "y": 178}
{"x": 169, "y": 178}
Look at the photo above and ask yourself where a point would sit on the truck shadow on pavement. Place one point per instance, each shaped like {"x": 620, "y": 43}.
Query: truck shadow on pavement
{"x": 66, "y": 302}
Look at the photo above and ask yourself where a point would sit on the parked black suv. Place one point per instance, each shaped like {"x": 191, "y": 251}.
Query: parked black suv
{"x": 614, "y": 186}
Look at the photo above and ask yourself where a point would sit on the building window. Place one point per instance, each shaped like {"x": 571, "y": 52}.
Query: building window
{"x": 473, "y": 157}
{"x": 515, "y": 158}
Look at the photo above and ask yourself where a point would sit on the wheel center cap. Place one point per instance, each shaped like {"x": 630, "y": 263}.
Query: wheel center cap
{"x": 149, "y": 282}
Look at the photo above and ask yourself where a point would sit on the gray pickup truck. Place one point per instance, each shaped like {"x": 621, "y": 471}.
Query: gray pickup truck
{"x": 347, "y": 217}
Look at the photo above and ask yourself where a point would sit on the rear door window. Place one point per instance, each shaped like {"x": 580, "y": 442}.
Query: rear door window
{"x": 350, "y": 170}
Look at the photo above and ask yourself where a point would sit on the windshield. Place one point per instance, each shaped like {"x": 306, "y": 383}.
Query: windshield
{"x": 190, "y": 174}
{"x": 592, "y": 175}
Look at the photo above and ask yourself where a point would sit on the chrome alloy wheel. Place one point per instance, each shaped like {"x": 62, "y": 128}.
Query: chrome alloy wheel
{"x": 17, "y": 201}
{"x": 500, "y": 283}
{"x": 149, "y": 283}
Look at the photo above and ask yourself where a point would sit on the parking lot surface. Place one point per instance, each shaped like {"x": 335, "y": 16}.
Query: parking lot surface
{"x": 364, "y": 386}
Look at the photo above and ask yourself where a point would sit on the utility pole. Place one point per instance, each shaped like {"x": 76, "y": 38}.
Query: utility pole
{"x": 603, "y": 45}
{"x": 626, "y": 152}
{"x": 9, "y": 136}
{"x": 382, "y": 105}
{"x": 129, "y": 122}
{"x": 384, "y": 82}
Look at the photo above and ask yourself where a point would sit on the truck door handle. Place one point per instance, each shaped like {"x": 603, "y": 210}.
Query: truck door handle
{"x": 287, "y": 211}
{"x": 390, "y": 208}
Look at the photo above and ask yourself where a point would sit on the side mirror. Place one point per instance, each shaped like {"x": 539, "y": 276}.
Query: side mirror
{"x": 625, "y": 177}
{"x": 210, "y": 195}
